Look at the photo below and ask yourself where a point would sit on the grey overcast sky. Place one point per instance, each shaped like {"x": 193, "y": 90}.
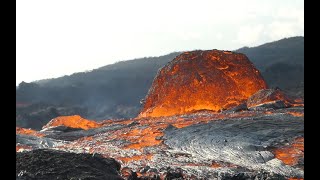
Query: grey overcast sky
{"x": 60, "y": 37}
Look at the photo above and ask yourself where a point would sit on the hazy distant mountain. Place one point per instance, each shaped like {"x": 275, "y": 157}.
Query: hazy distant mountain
{"x": 287, "y": 51}
{"x": 114, "y": 91}
{"x": 280, "y": 62}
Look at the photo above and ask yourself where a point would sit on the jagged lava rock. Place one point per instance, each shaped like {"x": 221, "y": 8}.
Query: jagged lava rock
{"x": 202, "y": 80}
{"x": 52, "y": 164}
{"x": 272, "y": 98}
{"x": 75, "y": 121}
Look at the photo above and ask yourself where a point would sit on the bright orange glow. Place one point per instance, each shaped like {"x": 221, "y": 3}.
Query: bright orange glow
{"x": 135, "y": 158}
{"x": 146, "y": 137}
{"x": 202, "y": 80}
{"x": 224, "y": 164}
{"x": 30, "y": 132}
{"x": 268, "y": 112}
{"x": 73, "y": 121}
{"x": 125, "y": 122}
{"x": 215, "y": 165}
{"x": 292, "y": 153}
{"x": 297, "y": 114}
{"x": 149, "y": 131}
{"x": 18, "y": 147}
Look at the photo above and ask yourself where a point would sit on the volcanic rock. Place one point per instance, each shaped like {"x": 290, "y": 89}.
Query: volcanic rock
{"x": 27, "y": 142}
{"x": 202, "y": 80}
{"x": 246, "y": 145}
{"x": 239, "y": 108}
{"x": 58, "y": 130}
{"x": 128, "y": 174}
{"x": 70, "y": 134}
{"x": 272, "y": 98}
{"x": 52, "y": 164}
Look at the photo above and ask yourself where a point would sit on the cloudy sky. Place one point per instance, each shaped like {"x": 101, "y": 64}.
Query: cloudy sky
{"x": 60, "y": 37}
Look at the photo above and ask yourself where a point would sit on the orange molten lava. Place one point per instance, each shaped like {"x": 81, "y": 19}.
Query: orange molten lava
{"x": 291, "y": 154}
{"x": 149, "y": 135}
{"x": 30, "y": 132}
{"x": 73, "y": 121}
{"x": 297, "y": 114}
{"x": 215, "y": 165}
{"x": 135, "y": 158}
{"x": 22, "y": 147}
{"x": 224, "y": 164}
{"x": 202, "y": 80}
{"x": 149, "y": 131}
{"x": 141, "y": 138}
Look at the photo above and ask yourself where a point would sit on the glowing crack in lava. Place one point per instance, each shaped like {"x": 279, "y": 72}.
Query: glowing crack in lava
{"x": 202, "y": 80}
{"x": 292, "y": 153}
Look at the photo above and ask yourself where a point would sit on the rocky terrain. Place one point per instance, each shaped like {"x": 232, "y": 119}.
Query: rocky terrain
{"x": 51, "y": 164}
{"x": 259, "y": 134}
{"x": 246, "y": 144}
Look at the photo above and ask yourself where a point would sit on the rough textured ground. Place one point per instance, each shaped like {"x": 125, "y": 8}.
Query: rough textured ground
{"x": 51, "y": 164}
{"x": 265, "y": 144}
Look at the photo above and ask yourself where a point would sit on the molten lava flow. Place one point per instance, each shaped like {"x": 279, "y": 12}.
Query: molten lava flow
{"x": 73, "y": 121}
{"x": 215, "y": 165}
{"x": 202, "y": 80}
{"x": 135, "y": 158}
{"x": 291, "y": 154}
{"x": 152, "y": 128}
{"x": 142, "y": 142}
{"x": 21, "y": 147}
{"x": 141, "y": 138}
{"x": 221, "y": 164}
{"x": 30, "y": 132}
{"x": 297, "y": 114}
{"x": 272, "y": 95}
{"x": 123, "y": 121}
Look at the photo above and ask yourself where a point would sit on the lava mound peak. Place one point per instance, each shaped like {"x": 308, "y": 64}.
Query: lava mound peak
{"x": 202, "y": 80}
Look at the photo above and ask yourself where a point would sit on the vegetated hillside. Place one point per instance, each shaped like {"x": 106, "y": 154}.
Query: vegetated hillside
{"x": 114, "y": 91}
{"x": 143, "y": 69}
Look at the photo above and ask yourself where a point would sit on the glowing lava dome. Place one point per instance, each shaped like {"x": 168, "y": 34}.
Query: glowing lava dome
{"x": 202, "y": 80}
